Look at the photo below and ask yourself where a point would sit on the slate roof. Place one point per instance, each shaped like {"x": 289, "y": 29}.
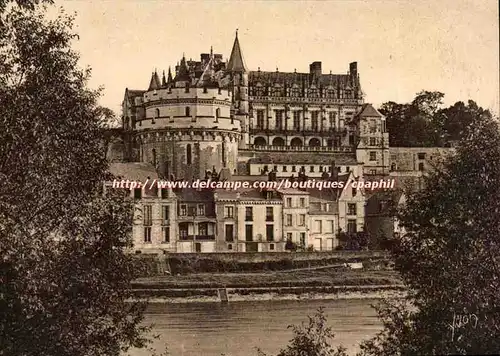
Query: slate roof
{"x": 236, "y": 61}
{"x": 137, "y": 171}
{"x": 367, "y": 110}
{"x": 194, "y": 195}
{"x": 290, "y": 78}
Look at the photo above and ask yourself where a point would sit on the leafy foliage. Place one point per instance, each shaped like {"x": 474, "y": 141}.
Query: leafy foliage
{"x": 312, "y": 339}
{"x": 449, "y": 256}
{"x": 423, "y": 123}
{"x": 353, "y": 240}
{"x": 64, "y": 271}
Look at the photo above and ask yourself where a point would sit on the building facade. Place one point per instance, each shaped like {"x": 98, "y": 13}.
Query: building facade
{"x": 216, "y": 118}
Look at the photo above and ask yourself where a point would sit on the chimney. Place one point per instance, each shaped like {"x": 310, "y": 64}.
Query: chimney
{"x": 353, "y": 69}
{"x": 315, "y": 69}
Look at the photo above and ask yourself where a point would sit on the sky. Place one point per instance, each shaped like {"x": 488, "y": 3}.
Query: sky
{"x": 402, "y": 47}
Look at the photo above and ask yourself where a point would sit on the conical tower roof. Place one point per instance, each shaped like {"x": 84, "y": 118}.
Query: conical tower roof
{"x": 154, "y": 83}
{"x": 236, "y": 62}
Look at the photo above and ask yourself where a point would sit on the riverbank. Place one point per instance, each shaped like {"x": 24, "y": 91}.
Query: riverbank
{"x": 313, "y": 284}
{"x": 268, "y": 294}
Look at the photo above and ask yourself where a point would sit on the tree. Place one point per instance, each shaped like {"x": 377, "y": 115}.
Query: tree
{"x": 449, "y": 257}
{"x": 64, "y": 271}
{"x": 412, "y": 125}
{"x": 312, "y": 339}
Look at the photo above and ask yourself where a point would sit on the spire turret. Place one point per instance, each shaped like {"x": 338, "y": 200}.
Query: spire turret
{"x": 163, "y": 80}
{"x": 169, "y": 78}
{"x": 236, "y": 62}
{"x": 154, "y": 83}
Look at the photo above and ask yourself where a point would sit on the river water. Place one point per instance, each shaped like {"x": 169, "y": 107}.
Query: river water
{"x": 237, "y": 328}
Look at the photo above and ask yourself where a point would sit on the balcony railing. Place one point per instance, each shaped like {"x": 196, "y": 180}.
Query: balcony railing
{"x": 197, "y": 237}
{"x": 298, "y": 132}
{"x": 302, "y": 148}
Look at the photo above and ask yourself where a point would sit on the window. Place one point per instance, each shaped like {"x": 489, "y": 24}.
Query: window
{"x": 303, "y": 238}
{"x": 288, "y": 202}
{"x": 279, "y": 119}
{"x": 329, "y": 226}
{"x": 351, "y": 209}
{"x": 289, "y": 236}
{"x": 293, "y": 169}
{"x": 351, "y": 140}
{"x": 317, "y": 226}
{"x": 249, "y": 233}
{"x": 157, "y": 114}
{"x": 314, "y": 120}
{"x": 166, "y": 234}
{"x": 271, "y": 247}
{"x": 275, "y": 168}
{"x": 270, "y": 232}
{"x": 311, "y": 169}
{"x": 229, "y": 233}
{"x": 229, "y": 211}
{"x": 183, "y": 230}
{"x": 373, "y": 156}
{"x": 302, "y": 202}
{"x": 260, "y": 119}
{"x": 296, "y": 120}
{"x": 148, "y": 215}
{"x": 351, "y": 226}
{"x": 165, "y": 210}
{"x": 188, "y": 154}
{"x": 373, "y": 141}
{"x": 373, "y": 171}
{"x": 192, "y": 210}
{"x": 284, "y": 168}
{"x": 420, "y": 166}
{"x": 188, "y": 111}
{"x": 147, "y": 234}
{"x": 421, "y": 155}
{"x": 289, "y": 220}
{"x": 269, "y": 213}
{"x": 302, "y": 220}
{"x": 248, "y": 213}
{"x": 230, "y": 247}
{"x": 354, "y": 191}
{"x": 201, "y": 209}
{"x": 217, "y": 114}
{"x": 203, "y": 229}
{"x": 331, "y": 116}
{"x": 154, "y": 156}
{"x": 183, "y": 210}
{"x": 137, "y": 193}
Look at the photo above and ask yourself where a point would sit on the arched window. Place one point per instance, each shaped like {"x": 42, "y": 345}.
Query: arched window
{"x": 217, "y": 114}
{"x": 296, "y": 142}
{"x": 157, "y": 113}
{"x": 189, "y": 157}
{"x": 278, "y": 141}
{"x": 188, "y": 111}
{"x": 314, "y": 142}
{"x": 260, "y": 141}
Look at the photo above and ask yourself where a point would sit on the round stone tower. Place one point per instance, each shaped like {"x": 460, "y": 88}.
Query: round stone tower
{"x": 186, "y": 127}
